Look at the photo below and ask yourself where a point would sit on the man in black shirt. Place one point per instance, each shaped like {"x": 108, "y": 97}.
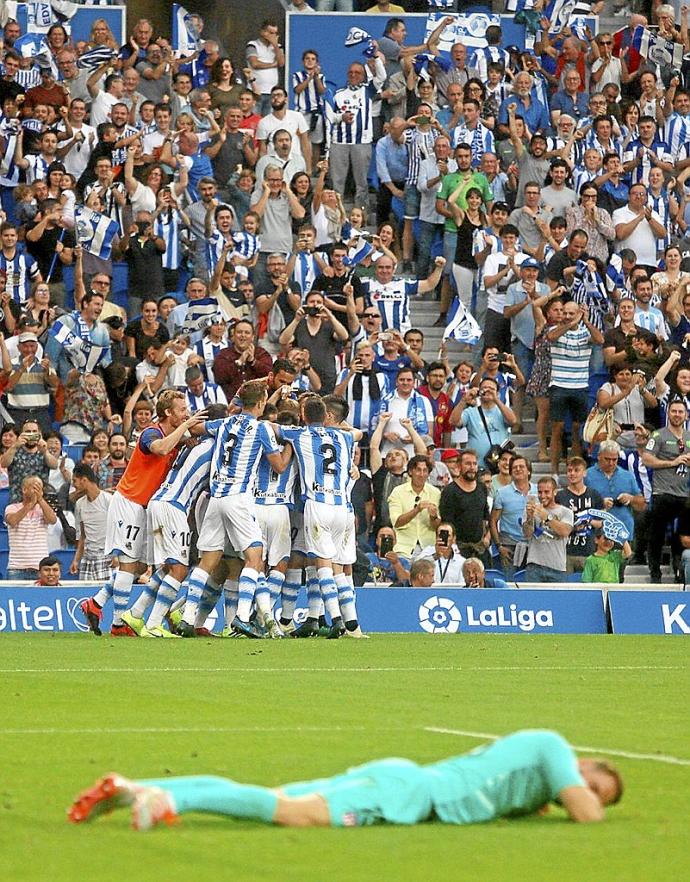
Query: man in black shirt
{"x": 331, "y": 286}
{"x": 52, "y": 246}
{"x": 562, "y": 266}
{"x": 578, "y": 498}
{"x": 464, "y": 505}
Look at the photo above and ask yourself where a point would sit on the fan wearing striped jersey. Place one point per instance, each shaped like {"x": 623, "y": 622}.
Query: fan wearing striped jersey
{"x": 240, "y": 442}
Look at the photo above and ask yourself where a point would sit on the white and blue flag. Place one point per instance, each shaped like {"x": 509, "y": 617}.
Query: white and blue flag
{"x": 462, "y": 325}
{"x": 94, "y": 58}
{"x": 656, "y": 49}
{"x": 358, "y": 252}
{"x": 614, "y": 529}
{"x": 75, "y": 338}
{"x": 559, "y": 13}
{"x": 185, "y": 36}
{"x": 95, "y": 231}
{"x": 200, "y": 314}
{"x": 355, "y": 36}
{"x": 31, "y": 45}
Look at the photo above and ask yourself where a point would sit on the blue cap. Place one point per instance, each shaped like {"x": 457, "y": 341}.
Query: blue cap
{"x": 530, "y": 263}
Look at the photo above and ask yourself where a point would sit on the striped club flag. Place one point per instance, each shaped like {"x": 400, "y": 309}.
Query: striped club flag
{"x": 185, "y": 37}
{"x": 462, "y": 325}
{"x": 95, "y": 231}
{"x": 656, "y": 49}
{"x": 200, "y": 314}
{"x": 94, "y": 58}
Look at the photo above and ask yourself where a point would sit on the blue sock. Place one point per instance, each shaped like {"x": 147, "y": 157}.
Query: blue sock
{"x": 249, "y": 578}
{"x": 167, "y": 592}
{"x": 231, "y": 595}
{"x": 288, "y": 594}
{"x": 313, "y": 593}
{"x": 148, "y": 595}
{"x": 221, "y": 796}
{"x": 346, "y": 598}
{"x": 208, "y": 601}
{"x": 196, "y": 583}
{"x": 275, "y": 583}
{"x": 329, "y": 592}
{"x": 122, "y": 588}
{"x": 103, "y": 595}
{"x": 263, "y": 596}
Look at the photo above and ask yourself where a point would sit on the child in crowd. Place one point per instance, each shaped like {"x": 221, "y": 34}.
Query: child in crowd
{"x": 605, "y": 564}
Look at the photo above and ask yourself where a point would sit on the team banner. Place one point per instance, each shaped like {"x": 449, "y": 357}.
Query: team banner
{"x": 649, "y": 612}
{"x": 656, "y": 49}
{"x": 468, "y": 29}
{"x": 437, "y": 610}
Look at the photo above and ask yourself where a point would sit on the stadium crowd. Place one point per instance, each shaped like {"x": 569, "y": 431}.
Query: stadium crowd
{"x": 273, "y": 258}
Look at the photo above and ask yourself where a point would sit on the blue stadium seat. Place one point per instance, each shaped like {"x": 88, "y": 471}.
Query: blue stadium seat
{"x": 496, "y": 574}
{"x": 518, "y": 577}
{"x": 65, "y": 555}
{"x": 4, "y": 499}
{"x": 4, "y": 540}
{"x": 574, "y": 577}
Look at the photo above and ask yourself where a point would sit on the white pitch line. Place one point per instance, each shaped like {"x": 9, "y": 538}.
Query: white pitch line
{"x": 627, "y": 754}
{"x": 340, "y": 670}
{"x": 156, "y": 730}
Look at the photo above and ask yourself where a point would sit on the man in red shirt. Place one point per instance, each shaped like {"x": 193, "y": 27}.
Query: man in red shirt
{"x": 242, "y": 360}
{"x": 440, "y": 403}
{"x": 49, "y": 92}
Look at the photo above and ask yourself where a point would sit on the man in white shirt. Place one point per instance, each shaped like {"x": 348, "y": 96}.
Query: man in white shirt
{"x": 638, "y": 227}
{"x": 80, "y": 146}
{"x": 103, "y": 101}
{"x": 283, "y": 118}
{"x": 91, "y": 511}
{"x": 265, "y": 56}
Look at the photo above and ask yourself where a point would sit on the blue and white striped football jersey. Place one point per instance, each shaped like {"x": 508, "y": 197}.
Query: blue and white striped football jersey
{"x": 274, "y": 489}
{"x": 357, "y": 101}
{"x": 240, "y": 441}
{"x": 188, "y": 476}
{"x": 20, "y": 272}
{"x": 392, "y": 300}
{"x": 167, "y": 227}
{"x": 324, "y": 458}
{"x": 676, "y": 132}
{"x": 308, "y": 100}
{"x": 209, "y": 352}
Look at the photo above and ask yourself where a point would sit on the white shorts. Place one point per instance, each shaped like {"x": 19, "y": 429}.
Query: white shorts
{"x": 199, "y": 515}
{"x": 324, "y": 529}
{"x": 297, "y": 531}
{"x": 125, "y": 529}
{"x": 274, "y": 521}
{"x": 231, "y": 517}
{"x": 168, "y": 534}
{"x": 347, "y": 554}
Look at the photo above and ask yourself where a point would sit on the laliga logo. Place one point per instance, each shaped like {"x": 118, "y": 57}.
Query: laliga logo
{"x": 72, "y": 605}
{"x": 438, "y": 615}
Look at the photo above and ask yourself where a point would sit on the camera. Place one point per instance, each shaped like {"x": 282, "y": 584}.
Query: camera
{"x": 444, "y": 538}
{"x": 386, "y": 545}
{"x": 311, "y": 310}
{"x": 32, "y": 436}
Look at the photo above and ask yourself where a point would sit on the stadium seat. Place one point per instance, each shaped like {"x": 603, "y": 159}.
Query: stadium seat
{"x": 574, "y": 577}
{"x": 4, "y": 499}
{"x": 496, "y": 574}
{"x": 4, "y": 540}
{"x": 65, "y": 555}
{"x": 518, "y": 577}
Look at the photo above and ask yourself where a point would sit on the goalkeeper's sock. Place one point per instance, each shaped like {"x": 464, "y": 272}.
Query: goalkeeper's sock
{"x": 220, "y": 796}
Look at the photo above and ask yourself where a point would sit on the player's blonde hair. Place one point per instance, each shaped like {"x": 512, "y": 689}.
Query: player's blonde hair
{"x": 165, "y": 402}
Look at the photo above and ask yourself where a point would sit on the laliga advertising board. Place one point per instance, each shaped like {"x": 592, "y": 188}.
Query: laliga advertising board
{"x": 438, "y": 610}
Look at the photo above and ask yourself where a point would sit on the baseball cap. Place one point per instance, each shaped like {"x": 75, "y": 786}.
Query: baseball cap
{"x": 28, "y": 337}
{"x": 500, "y": 206}
{"x": 530, "y": 263}
{"x": 448, "y": 455}
{"x": 428, "y": 441}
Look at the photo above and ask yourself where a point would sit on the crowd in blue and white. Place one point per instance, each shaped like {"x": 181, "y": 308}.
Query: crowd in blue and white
{"x": 175, "y": 218}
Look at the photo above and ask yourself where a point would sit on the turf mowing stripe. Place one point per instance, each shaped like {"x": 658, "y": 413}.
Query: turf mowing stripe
{"x": 656, "y": 757}
{"x": 339, "y": 670}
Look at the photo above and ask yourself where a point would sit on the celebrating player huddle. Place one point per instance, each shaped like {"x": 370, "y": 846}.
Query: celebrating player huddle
{"x": 269, "y": 501}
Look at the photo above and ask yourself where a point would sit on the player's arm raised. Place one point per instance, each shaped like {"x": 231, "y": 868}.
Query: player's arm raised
{"x": 582, "y": 804}
{"x": 163, "y": 446}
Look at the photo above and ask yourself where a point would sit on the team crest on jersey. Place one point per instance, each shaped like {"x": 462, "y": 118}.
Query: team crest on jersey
{"x": 120, "y": 523}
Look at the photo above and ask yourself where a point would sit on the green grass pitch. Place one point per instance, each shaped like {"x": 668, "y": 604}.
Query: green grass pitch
{"x": 75, "y": 707}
